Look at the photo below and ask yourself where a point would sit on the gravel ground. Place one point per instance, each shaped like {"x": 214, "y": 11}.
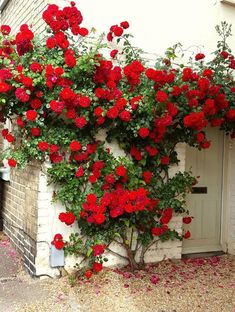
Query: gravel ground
{"x": 171, "y": 286}
{"x": 188, "y": 285}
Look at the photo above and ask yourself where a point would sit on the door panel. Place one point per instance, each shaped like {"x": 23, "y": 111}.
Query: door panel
{"x": 205, "y": 208}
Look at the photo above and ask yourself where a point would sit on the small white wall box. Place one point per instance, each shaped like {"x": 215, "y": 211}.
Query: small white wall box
{"x": 56, "y": 257}
{"x": 5, "y": 173}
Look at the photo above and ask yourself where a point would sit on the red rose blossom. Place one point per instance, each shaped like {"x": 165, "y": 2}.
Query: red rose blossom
{"x": 187, "y": 220}
{"x": 97, "y": 267}
{"x": 12, "y": 162}
{"x": 98, "y": 249}
{"x": 120, "y": 171}
{"x": 80, "y": 122}
{"x": 75, "y": 146}
{"x": 199, "y": 56}
{"x": 144, "y": 132}
{"x": 31, "y": 115}
{"x": 88, "y": 274}
{"x": 187, "y": 235}
{"x": 43, "y": 146}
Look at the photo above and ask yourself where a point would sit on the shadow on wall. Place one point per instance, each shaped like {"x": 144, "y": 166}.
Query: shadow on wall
{"x": 2, "y": 184}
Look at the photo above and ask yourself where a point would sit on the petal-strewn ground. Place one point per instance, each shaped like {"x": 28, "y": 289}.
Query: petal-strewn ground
{"x": 200, "y": 284}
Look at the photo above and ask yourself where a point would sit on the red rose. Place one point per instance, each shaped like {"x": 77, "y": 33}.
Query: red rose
{"x": 58, "y": 241}
{"x": 224, "y": 54}
{"x": 136, "y": 153}
{"x": 88, "y": 274}
{"x": 165, "y": 160}
{"x": 68, "y": 218}
{"x": 98, "y": 111}
{"x": 83, "y": 32}
{"x": 10, "y": 138}
{"x": 187, "y": 220}
{"x": 53, "y": 148}
{"x": 161, "y": 96}
{"x": 50, "y": 43}
{"x": 75, "y": 146}
{"x": 187, "y": 235}
{"x": 144, "y": 132}
{"x": 35, "y": 104}
{"x": 36, "y": 67}
{"x": 112, "y": 113}
{"x": 200, "y": 137}
{"x": 110, "y": 36}
{"x": 176, "y": 91}
{"x": 147, "y": 176}
{"x": 97, "y": 267}
{"x": 156, "y": 231}
{"x": 5, "y": 132}
{"x": 99, "y": 218}
{"x": 80, "y": 122}
{"x": 12, "y": 162}
{"x": 230, "y": 115}
{"x": 205, "y": 144}
{"x": 121, "y": 171}
{"x": 124, "y": 25}
{"x": 43, "y": 146}
{"x": 168, "y": 212}
{"x": 5, "y": 29}
{"x": 125, "y": 116}
{"x": 98, "y": 250}
{"x": 216, "y": 122}
{"x": 31, "y": 115}
{"x": 80, "y": 172}
{"x": 113, "y": 53}
{"x": 84, "y": 101}
{"x": 4, "y": 87}
{"x": 20, "y": 122}
{"x": 71, "y": 113}
{"x": 118, "y": 31}
{"x": 199, "y": 56}
{"x": 165, "y": 219}
{"x": 59, "y": 244}
{"x": 92, "y": 179}
{"x": 56, "y": 158}
{"x": 152, "y": 151}
{"x": 110, "y": 178}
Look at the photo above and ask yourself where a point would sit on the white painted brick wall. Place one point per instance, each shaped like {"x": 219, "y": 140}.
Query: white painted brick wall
{"x": 49, "y": 225}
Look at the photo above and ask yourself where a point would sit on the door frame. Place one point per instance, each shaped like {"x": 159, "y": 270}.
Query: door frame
{"x": 226, "y": 178}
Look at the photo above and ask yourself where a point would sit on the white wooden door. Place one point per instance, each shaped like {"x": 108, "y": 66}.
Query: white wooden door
{"x": 206, "y": 207}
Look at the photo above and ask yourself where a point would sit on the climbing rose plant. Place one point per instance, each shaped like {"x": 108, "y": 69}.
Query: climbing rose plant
{"x": 68, "y": 102}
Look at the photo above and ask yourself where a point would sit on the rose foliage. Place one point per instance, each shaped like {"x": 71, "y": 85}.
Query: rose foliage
{"x": 60, "y": 92}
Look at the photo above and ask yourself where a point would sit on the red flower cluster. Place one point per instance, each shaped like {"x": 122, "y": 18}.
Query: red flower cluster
{"x": 195, "y": 120}
{"x": 23, "y": 40}
{"x": 115, "y": 204}
{"x": 67, "y": 217}
{"x": 116, "y": 30}
{"x": 62, "y": 20}
{"x": 133, "y": 72}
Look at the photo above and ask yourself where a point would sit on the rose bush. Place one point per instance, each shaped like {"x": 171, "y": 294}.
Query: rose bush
{"x": 59, "y": 93}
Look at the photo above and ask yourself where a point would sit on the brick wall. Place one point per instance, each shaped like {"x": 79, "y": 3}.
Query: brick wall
{"x": 20, "y": 211}
{"x": 19, "y": 202}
